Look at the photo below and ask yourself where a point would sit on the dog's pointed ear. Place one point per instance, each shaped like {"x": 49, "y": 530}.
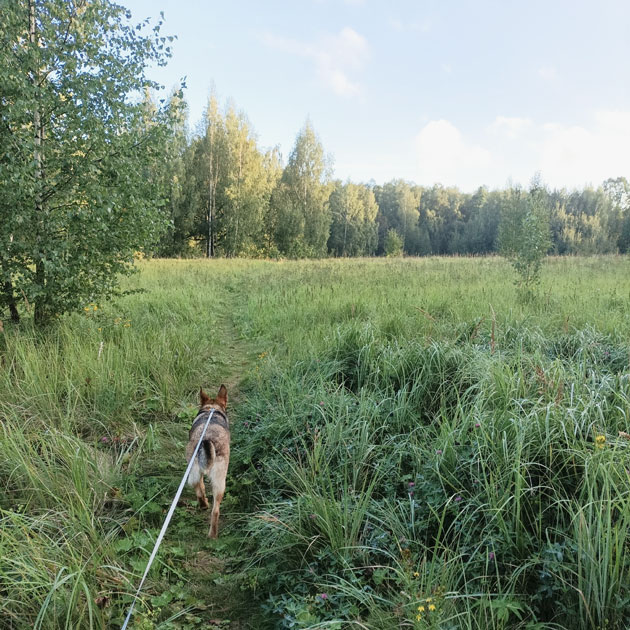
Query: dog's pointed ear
{"x": 203, "y": 397}
{"x": 222, "y": 396}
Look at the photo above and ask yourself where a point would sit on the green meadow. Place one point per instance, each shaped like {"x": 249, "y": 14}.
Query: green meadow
{"x": 414, "y": 444}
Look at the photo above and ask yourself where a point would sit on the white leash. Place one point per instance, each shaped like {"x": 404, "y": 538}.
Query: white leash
{"x": 167, "y": 521}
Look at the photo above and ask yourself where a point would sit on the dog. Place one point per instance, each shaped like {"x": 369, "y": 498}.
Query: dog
{"x": 213, "y": 456}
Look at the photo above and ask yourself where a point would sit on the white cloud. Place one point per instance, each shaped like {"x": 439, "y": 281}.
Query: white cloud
{"x": 567, "y": 156}
{"x": 574, "y": 155}
{"x": 444, "y": 156}
{"x": 334, "y": 57}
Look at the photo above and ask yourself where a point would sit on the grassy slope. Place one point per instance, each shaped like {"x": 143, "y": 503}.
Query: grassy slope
{"x": 370, "y": 368}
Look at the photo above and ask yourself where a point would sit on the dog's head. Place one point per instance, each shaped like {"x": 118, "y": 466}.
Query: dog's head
{"x": 219, "y": 402}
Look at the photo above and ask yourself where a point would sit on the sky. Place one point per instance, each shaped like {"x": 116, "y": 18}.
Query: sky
{"x": 457, "y": 92}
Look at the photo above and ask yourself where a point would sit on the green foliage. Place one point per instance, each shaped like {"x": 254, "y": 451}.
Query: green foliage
{"x": 78, "y": 199}
{"x": 353, "y": 229}
{"x": 228, "y": 195}
{"x": 393, "y": 243}
{"x": 524, "y": 234}
{"x": 398, "y": 204}
{"x": 300, "y": 201}
{"x": 229, "y": 181}
{"x": 618, "y": 217}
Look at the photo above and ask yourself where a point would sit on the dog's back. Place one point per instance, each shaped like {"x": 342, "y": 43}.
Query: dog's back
{"x": 215, "y": 443}
{"x": 213, "y": 456}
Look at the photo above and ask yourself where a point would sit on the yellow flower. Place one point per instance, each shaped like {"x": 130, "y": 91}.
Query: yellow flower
{"x": 431, "y": 607}
{"x": 421, "y": 608}
{"x": 600, "y": 440}
{"x": 87, "y": 309}
{"x": 99, "y": 330}
{"x": 418, "y": 617}
{"x": 127, "y": 325}
{"x": 416, "y": 574}
{"x": 428, "y": 600}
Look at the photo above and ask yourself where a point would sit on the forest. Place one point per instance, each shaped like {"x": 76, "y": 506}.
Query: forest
{"x": 226, "y": 196}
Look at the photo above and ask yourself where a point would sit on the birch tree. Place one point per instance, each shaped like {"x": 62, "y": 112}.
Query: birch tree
{"x": 76, "y": 202}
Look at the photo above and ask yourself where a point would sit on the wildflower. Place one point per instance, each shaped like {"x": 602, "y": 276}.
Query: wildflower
{"x": 477, "y": 425}
{"x": 99, "y": 330}
{"x": 431, "y": 607}
{"x": 418, "y": 617}
{"x": 421, "y": 608}
{"x": 439, "y": 451}
{"x": 127, "y": 325}
{"x": 416, "y": 574}
{"x": 87, "y": 309}
{"x": 324, "y": 595}
{"x": 600, "y": 440}
{"x": 104, "y": 439}
{"x": 491, "y": 555}
{"x": 321, "y": 403}
{"x": 458, "y": 499}
{"x": 411, "y": 484}
{"x": 428, "y": 600}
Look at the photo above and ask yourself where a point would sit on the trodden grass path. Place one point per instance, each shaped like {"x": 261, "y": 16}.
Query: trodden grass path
{"x": 159, "y": 347}
{"x": 211, "y": 571}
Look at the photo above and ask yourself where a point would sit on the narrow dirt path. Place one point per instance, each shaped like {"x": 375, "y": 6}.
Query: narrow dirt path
{"x": 211, "y": 568}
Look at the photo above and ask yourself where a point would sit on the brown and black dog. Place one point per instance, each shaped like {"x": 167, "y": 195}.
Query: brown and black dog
{"x": 213, "y": 456}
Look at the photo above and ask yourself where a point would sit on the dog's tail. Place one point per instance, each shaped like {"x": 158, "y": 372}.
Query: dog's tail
{"x": 205, "y": 457}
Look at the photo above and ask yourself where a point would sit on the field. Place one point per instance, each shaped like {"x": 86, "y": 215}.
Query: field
{"x": 414, "y": 445}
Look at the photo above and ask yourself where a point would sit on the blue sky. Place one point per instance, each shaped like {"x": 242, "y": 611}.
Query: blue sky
{"x": 453, "y": 91}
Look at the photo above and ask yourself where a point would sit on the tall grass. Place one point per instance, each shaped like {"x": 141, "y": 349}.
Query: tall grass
{"x": 82, "y": 407}
{"x": 473, "y": 437}
{"x": 413, "y": 436}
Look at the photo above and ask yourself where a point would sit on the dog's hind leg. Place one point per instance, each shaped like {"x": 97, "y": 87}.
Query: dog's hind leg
{"x": 217, "y": 477}
{"x": 200, "y": 491}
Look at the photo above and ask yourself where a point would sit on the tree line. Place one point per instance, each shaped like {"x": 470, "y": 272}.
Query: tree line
{"x": 94, "y": 170}
{"x": 228, "y": 197}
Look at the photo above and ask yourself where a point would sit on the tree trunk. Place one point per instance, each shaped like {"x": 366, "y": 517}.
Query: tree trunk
{"x": 211, "y": 223}
{"x": 210, "y": 244}
{"x": 10, "y": 298}
{"x": 41, "y": 310}
{"x": 212, "y": 194}
{"x": 345, "y": 228}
